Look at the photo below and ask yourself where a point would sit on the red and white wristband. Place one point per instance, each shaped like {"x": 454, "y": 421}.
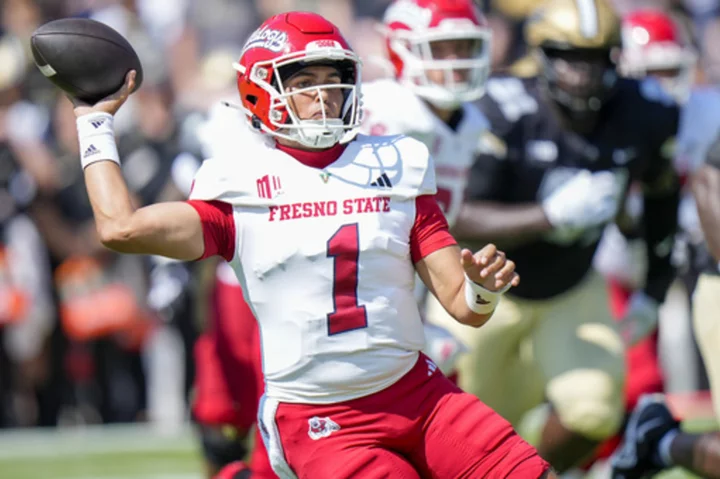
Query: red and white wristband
{"x": 97, "y": 138}
{"x": 481, "y": 300}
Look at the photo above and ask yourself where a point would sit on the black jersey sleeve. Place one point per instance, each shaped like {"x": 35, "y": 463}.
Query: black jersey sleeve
{"x": 660, "y": 116}
{"x": 489, "y": 172}
{"x": 506, "y": 102}
{"x": 661, "y": 187}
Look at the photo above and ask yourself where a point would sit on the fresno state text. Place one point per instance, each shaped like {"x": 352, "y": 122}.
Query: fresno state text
{"x": 310, "y": 209}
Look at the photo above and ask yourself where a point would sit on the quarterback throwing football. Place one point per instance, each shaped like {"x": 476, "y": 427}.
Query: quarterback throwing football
{"x": 326, "y": 249}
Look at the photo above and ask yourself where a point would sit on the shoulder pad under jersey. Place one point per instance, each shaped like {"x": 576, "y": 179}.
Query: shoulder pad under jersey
{"x": 508, "y": 100}
{"x": 232, "y": 176}
{"x": 405, "y": 161}
{"x": 391, "y": 109}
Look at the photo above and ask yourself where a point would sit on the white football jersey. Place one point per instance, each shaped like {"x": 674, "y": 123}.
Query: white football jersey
{"x": 391, "y": 109}
{"x": 323, "y": 257}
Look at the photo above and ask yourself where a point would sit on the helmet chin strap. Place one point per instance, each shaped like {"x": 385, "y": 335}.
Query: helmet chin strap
{"x": 324, "y": 133}
{"x": 315, "y": 134}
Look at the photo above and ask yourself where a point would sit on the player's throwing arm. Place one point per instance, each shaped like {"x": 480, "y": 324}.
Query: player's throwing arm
{"x": 96, "y": 66}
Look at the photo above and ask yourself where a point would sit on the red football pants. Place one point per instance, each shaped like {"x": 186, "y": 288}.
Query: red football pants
{"x": 423, "y": 426}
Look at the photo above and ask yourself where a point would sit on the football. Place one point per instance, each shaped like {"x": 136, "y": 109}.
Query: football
{"x": 85, "y": 58}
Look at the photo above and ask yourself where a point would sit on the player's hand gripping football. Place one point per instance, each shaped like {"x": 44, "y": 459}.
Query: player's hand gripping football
{"x": 490, "y": 268}
{"x": 110, "y": 104}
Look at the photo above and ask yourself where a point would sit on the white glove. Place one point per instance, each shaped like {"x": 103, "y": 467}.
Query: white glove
{"x": 587, "y": 199}
{"x": 442, "y": 347}
{"x": 640, "y": 320}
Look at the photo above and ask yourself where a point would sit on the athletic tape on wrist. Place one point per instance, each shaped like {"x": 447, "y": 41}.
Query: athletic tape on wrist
{"x": 97, "y": 139}
{"x": 479, "y": 299}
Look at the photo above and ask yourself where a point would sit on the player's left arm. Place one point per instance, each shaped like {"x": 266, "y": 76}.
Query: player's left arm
{"x": 467, "y": 285}
{"x": 661, "y": 199}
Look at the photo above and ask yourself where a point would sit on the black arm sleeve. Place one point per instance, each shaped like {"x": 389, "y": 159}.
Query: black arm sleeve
{"x": 660, "y": 223}
{"x": 661, "y": 187}
{"x": 491, "y": 170}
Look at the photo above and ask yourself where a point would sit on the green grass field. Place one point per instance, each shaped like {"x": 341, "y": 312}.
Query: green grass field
{"x": 125, "y": 452}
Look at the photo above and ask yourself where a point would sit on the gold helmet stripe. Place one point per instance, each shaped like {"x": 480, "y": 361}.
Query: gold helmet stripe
{"x": 589, "y": 25}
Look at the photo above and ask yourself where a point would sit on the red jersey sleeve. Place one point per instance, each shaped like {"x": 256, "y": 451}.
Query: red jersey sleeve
{"x": 218, "y": 228}
{"x": 430, "y": 231}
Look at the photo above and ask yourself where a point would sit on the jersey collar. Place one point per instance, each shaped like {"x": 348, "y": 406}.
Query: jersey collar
{"x": 314, "y": 159}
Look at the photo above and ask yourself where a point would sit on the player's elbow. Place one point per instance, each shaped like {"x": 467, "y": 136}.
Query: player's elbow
{"x": 473, "y": 320}
{"x": 116, "y": 235}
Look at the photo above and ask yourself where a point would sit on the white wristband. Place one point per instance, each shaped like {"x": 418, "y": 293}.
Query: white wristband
{"x": 97, "y": 138}
{"x": 479, "y": 299}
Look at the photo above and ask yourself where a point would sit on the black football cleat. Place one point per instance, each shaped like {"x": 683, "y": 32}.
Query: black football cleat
{"x": 637, "y": 455}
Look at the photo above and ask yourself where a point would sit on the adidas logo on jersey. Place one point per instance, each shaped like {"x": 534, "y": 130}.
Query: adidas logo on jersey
{"x": 98, "y": 123}
{"x": 90, "y": 151}
{"x": 432, "y": 367}
{"x": 382, "y": 181}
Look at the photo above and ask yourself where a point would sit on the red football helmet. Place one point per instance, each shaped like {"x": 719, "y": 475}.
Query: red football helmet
{"x": 412, "y": 27}
{"x": 282, "y": 45}
{"x": 653, "y": 44}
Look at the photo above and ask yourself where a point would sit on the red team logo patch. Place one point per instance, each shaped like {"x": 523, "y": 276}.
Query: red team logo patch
{"x": 321, "y": 427}
{"x": 269, "y": 186}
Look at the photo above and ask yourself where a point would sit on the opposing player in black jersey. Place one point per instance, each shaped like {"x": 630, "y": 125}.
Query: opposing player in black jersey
{"x": 653, "y": 440}
{"x": 565, "y": 145}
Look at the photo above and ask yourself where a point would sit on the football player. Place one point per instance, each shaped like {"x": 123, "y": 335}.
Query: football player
{"x": 563, "y": 147}
{"x": 653, "y": 440}
{"x": 662, "y": 445}
{"x": 229, "y": 380}
{"x": 228, "y": 383}
{"x": 325, "y": 239}
{"x": 654, "y": 50}
{"x": 441, "y": 64}
{"x": 440, "y": 54}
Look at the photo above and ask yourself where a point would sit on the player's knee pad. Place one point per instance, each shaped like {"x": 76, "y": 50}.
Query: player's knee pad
{"x": 222, "y": 445}
{"x": 588, "y": 402}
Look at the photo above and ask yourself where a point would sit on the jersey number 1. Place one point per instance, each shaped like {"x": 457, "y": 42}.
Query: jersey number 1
{"x": 347, "y": 315}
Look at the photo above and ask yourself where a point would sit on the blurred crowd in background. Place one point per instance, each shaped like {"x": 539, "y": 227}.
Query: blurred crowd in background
{"x": 88, "y": 336}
